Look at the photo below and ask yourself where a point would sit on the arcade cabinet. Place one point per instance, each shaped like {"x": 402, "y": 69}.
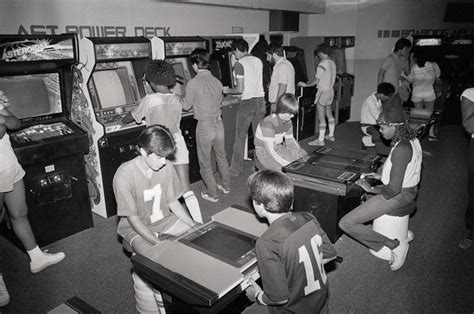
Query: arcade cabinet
{"x": 177, "y": 53}
{"x": 108, "y": 85}
{"x": 304, "y": 122}
{"x": 36, "y": 76}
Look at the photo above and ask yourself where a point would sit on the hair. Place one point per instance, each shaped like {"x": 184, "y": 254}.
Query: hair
{"x": 402, "y": 43}
{"x": 386, "y": 89}
{"x": 396, "y": 115}
{"x": 159, "y": 140}
{"x": 160, "y": 72}
{"x": 273, "y": 189}
{"x": 287, "y": 103}
{"x": 420, "y": 58}
{"x": 200, "y": 57}
{"x": 324, "y": 48}
{"x": 240, "y": 44}
{"x": 276, "y": 49}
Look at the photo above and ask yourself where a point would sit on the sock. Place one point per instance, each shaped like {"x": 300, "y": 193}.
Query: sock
{"x": 35, "y": 253}
{"x": 322, "y": 132}
{"x": 332, "y": 126}
{"x": 193, "y": 206}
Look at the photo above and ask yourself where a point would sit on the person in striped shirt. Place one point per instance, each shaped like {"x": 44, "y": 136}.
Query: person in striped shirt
{"x": 275, "y": 145}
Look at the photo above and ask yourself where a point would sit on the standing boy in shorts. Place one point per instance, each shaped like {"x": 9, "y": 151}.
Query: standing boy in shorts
{"x": 12, "y": 195}
{"x": 324, "y": 79}
{"x": 291, "y": 254}
{"x": 204, "y": 94}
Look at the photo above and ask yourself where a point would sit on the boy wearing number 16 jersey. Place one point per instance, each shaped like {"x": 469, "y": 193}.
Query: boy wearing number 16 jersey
{"x": 291, "y": 254}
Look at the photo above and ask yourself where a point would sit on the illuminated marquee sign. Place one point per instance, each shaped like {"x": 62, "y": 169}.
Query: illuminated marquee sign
{"x": 36, "y": 50}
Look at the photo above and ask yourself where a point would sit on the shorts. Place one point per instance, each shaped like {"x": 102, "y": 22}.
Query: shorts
{"x": 324, "y": 98}
{"x": 9, "y": 176}
{"x": 426, "y": 97}
{"x": 182, "y": 153}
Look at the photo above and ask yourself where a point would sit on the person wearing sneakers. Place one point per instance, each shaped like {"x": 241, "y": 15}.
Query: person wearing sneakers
{"x": 275, "y": 146}
{"x": 164, "y": 107}
{"x": 324, "y": 79}
{"x": 370, "y": 111}
{"x": 283, "y": 75}
{"x": 467, "y": 110}
{"x": 400, "y": 177}
{"x": 204, "y": 94}
{"x": 147, "y": 190}
{"x": 251, "y": 110}
{"x": 12, "y": 196}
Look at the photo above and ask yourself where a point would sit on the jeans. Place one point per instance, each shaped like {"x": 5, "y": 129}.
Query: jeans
{"x": 354, "y": 222}
{"x": 249, "y": 111}
{"x": 210, "y": 137}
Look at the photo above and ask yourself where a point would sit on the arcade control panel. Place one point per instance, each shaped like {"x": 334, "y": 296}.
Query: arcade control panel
{"x": 111, "y": 118}
{"x": 40, "y": 132}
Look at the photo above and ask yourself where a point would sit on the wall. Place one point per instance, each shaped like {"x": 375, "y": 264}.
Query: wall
{"x": 126, "y": 17}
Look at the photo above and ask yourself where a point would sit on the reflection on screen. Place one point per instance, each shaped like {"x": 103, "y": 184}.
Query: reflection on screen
{"x": 230, "y": 245}
{"x": 113, "y": 84}
{"x": 32, "y": 95}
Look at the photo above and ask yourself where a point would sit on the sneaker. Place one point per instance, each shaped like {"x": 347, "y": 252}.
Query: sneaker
{"x": 410, "y": 236}
{"x": 316, "y": 142}
{"x": 48, "y": 259}
{"x": 223, "y": 189}
{"x": 4, "y": 296}
{"x": 330, "y": 138}
{"x": 208, "y": 197}
{"x": 384, "y": 253}
{"x": 465, "y": 243}
{"x": 399, "y": 254}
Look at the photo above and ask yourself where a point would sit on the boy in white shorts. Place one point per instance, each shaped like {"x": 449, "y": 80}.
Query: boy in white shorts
{"x": 324, "y": 79}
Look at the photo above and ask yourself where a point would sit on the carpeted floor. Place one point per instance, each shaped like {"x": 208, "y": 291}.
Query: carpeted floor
{"x": 437, "y": 277}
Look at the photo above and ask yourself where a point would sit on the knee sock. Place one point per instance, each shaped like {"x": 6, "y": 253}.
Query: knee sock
{"x": 322, "y": 131}
{"x": 35, "y": 254}
{"x": 332, "y": 126}
{"x": 193, "y": 206}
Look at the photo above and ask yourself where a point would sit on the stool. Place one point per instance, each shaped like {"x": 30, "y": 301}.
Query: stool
{"x": 393, "y": 227}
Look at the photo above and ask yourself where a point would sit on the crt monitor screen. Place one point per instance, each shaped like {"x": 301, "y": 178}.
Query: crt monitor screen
{"x": 114, "y": 85}
{"x": 184, "y": 73}
{"x": 32, "y": 95}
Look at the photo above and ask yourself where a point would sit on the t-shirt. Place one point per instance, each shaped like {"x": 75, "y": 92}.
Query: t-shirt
{"x": 393, "y": 66}
{"x": 423, "y": 78}
{"x": 158, "y": 108}
{"x": 145, "y": 193}
{"x": 411, "y": 177}
{"x": 326, "y": 73}
{"x": 283, "y": 73}
{"x": 370, "y": 110}
{"x": 290, "y": 255}
{"x": 204, "y": 94}
{"x": 468, "y": 93}
{"x": 251, "y": 69}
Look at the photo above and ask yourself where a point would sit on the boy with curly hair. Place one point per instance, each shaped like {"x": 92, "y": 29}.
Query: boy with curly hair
{"x": 163, "y": 107}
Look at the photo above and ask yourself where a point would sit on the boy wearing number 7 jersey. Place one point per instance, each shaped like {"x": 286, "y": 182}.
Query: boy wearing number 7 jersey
{"x": 291, "y": 254}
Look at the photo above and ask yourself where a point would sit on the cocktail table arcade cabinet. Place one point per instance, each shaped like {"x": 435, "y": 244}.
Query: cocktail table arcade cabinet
{"x": 207, "y": 268}
{"x": 36, "y": 76}
{"x": 325, "y": 184}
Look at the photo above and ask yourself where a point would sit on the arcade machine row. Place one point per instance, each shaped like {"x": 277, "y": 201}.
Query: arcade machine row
{"x": 36, "y": 76}
{"x": 108, "y": 85}
{"x": 177, "y": 53}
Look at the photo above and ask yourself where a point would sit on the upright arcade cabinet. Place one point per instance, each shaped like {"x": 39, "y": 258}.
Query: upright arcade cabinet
{"x": 108, "y": 85}
{"x": 36, "y": 76}
{"x": 222, "y": 59}
{"x": 304, "y": 122}
{"x": 177, "y": 53}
